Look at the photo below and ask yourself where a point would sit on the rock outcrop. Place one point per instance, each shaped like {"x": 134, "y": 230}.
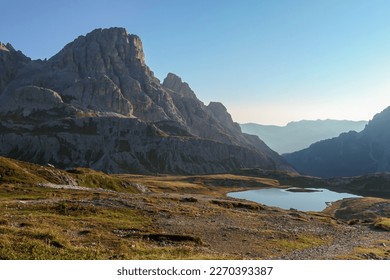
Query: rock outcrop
{"x": 176, "y": 85}
{"x": 350, "y": 154}
{"x": 97, "y": 104}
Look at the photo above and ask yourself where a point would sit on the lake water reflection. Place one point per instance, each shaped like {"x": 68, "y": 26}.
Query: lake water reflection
{"x": 314, "y": 200}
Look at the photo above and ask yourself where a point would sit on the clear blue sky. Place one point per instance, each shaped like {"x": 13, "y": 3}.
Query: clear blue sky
{"x": 268, "y": 61}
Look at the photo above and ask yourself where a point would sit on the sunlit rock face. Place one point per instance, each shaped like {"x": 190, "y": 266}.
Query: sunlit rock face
{"x": 97, "y": 104}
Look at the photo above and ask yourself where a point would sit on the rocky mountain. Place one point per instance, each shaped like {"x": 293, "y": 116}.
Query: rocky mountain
{"x": 97, "y": 104}
{"x": 299, "y": 135}
{"x": 350, "y": 154}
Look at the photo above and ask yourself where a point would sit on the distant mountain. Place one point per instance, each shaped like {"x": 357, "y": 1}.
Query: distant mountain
{"x": 350, "y": 154}
{"x": 97, "y": 104}
{"x": 298, "y": 135}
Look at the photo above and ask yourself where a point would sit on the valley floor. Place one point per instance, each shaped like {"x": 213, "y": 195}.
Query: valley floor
{"x": 175, "y": 217}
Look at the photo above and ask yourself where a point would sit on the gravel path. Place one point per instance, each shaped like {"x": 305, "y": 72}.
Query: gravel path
{"x": 344, "y": 243}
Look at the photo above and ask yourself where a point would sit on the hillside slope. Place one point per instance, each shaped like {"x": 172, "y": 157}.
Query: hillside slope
{"x": 350, "y": 154}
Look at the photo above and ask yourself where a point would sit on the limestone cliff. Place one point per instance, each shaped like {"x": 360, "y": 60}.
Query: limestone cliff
{"x": 97, "y": 104}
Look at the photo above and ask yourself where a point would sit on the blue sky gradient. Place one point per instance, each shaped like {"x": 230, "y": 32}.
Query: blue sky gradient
{"x": 268, "y": 61}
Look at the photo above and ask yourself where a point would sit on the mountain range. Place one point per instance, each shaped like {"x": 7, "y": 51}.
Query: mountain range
{"x": 97, "y": 104}
{"x": 350, "y": 154}
{"x": 299, "y": 135}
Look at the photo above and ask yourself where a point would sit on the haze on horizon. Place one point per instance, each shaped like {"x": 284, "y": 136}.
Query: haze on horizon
{"x": 268, "y": 62}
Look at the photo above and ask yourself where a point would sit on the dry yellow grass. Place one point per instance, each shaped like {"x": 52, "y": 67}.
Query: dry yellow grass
{"x": 383, "y": 223}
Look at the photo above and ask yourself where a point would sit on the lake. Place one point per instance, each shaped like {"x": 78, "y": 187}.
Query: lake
{"x": 300, "y": 199}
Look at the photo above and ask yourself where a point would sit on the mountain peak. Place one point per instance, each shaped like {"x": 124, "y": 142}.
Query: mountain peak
{"x": 174, "y": 83}
{"x": 120, "y": 37}
{"x": 96, "y": 103}
{"x": 171, "y": 77}
{"x": 3, "y": 47}
{"x": 101, "y": 48}
{"x": 120, "y": 30}
{"x": 7, "y": 47}
{"x": 219, "y": 111}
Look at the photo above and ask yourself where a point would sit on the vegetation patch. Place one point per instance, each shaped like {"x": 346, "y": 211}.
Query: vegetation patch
{"x": 382, "y": 223}
{"x": 95, "y": 179}
{"x": 374, "y": 253}
{"x": 65, "y": 230}
{"x": 12, "y": 171}
{"x": 299, "y": 242}
{"x": 69, "y": 208}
